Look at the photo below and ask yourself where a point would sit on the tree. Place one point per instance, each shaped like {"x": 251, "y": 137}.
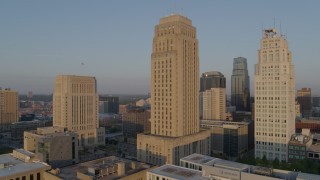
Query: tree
{"x": 276, "y": 163}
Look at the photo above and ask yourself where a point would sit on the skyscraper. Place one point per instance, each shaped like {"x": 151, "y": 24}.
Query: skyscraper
{"x": 9, "y": 108}
{"x": 75, "y": 107}
{"x": 274, "y": 86}
{"x": 213, "y": 96}
{"x": 175, "y": 126}
{"x": 304, "y": 99}
{"x": 240, "y": 85}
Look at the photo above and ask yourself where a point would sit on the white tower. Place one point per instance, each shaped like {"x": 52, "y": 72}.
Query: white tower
{"x": 274, "y": 87}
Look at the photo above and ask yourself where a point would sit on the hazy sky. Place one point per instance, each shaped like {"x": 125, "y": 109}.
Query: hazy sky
{"x": 40, "y": 39}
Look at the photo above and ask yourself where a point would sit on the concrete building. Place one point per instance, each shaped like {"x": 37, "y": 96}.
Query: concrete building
{"x": 107, "y": 168}
{"x": 298, "y": 112}
{"x": 312, "y": 123}
{"x": 228, "y": 138}
{"x": 274, "y": 86}
{"x": 298, "y": 145}
{"x": 52, "y": 145}
{"x": 213, "y": 96}
{"x": 136, "y": 121}
{"x": 240, "y": 85}
{"x": 304, "y": 99}
{"x": 9, "y": 108}
{"x": 108, "y": 104}
{"x": 314, "y": 150}
{"x": 175, "y": 125}
{"x": 75, "y": 107}
{"x": 21, "y": 164}
{"x": 200, "y": 167}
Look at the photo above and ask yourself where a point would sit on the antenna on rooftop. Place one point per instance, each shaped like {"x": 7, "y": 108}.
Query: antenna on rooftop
{"x": 280, "y": 29}
{"x": 274, "y": 22}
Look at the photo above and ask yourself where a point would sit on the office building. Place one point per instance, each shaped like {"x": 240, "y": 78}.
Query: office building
{"x": 75, "y": 107}
{"x": 228, "y": 138}
{"x": 175, "y": 125}
{"x": 9, "y": 108}
{"x": 108, "y": 104}
{"x": 136, "y": 121}
{"x": 52, "y": 145}
{"x": 274, "y": 86}
{"x": 304, "y": 99}
{"x": 21, "y": 165}
{"x": 201, "y": 167}
{"x": 213, "y": 96}
{"x": 240, "y": 85}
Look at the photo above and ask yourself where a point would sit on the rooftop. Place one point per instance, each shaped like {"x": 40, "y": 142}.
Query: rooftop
{"x": 299, "y": 139}
{"x": 175, "y": 17}
{"x": 197, "y": 158}
{"x": 10, "y": 165}
{"x": 70, "y": 172}
{"x": 231, "y": 165}
{"x": 177, "y": 172}
{"x": 306, "y": 176}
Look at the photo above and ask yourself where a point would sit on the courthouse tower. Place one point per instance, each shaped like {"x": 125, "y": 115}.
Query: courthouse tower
{"x": 174, "y": 95}
{"x": 75, "y": 107}
{"x": 274, "y": 86}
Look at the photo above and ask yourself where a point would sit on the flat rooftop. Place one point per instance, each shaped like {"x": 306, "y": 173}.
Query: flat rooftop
{"x": 177, "y": 172}
{"x": 305, "y": 176}
{"x": 70, "y": 172}
{"x": 230, "y": 165}
{"x": 197, "y": 158}
{"x": 13, "y": 165}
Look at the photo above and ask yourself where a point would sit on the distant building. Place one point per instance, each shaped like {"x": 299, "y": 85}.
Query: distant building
{"x": 75, "y": 107}
{"x": 17, "y": 129}
{"x": 52, "y": 145}
{"x": 298, "y": 112}
{"x": 229, "y": 138}
{"x": 316, "y": 101}
{"x": 22, "y": 165}
{"x": 213, "y": 96}
{"x": 240, "y": 85}
{"x": 304, "y": 99}
{"x": 9, "y": 108}
{"x": 312, "y": 123}
{"x": 175, "y": 125}
{"x": 108, "y": 104}
{"x": 136, "y": 121}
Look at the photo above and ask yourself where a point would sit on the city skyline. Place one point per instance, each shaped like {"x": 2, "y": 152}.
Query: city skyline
{"x": 43, "y": 39}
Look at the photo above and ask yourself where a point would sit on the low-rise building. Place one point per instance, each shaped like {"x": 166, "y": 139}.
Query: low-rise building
{"x": 219, "y": 169}
{"x": 298, "y": 145}
{"x": 107, "y": 168}
{"x": 52, "y": 145}
{"x": 229, "y": 138}
{"x": 21, "y": 165}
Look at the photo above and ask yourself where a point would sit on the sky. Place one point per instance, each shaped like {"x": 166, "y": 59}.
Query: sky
{"x": 112, "y": 39}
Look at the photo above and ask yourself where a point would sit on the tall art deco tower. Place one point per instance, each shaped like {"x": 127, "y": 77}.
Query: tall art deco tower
{"x": 274, "y": 86}
{"x": 175, "y": 125}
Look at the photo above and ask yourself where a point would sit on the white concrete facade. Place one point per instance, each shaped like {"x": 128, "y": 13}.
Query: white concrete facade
{"x": 274, "y": 90}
